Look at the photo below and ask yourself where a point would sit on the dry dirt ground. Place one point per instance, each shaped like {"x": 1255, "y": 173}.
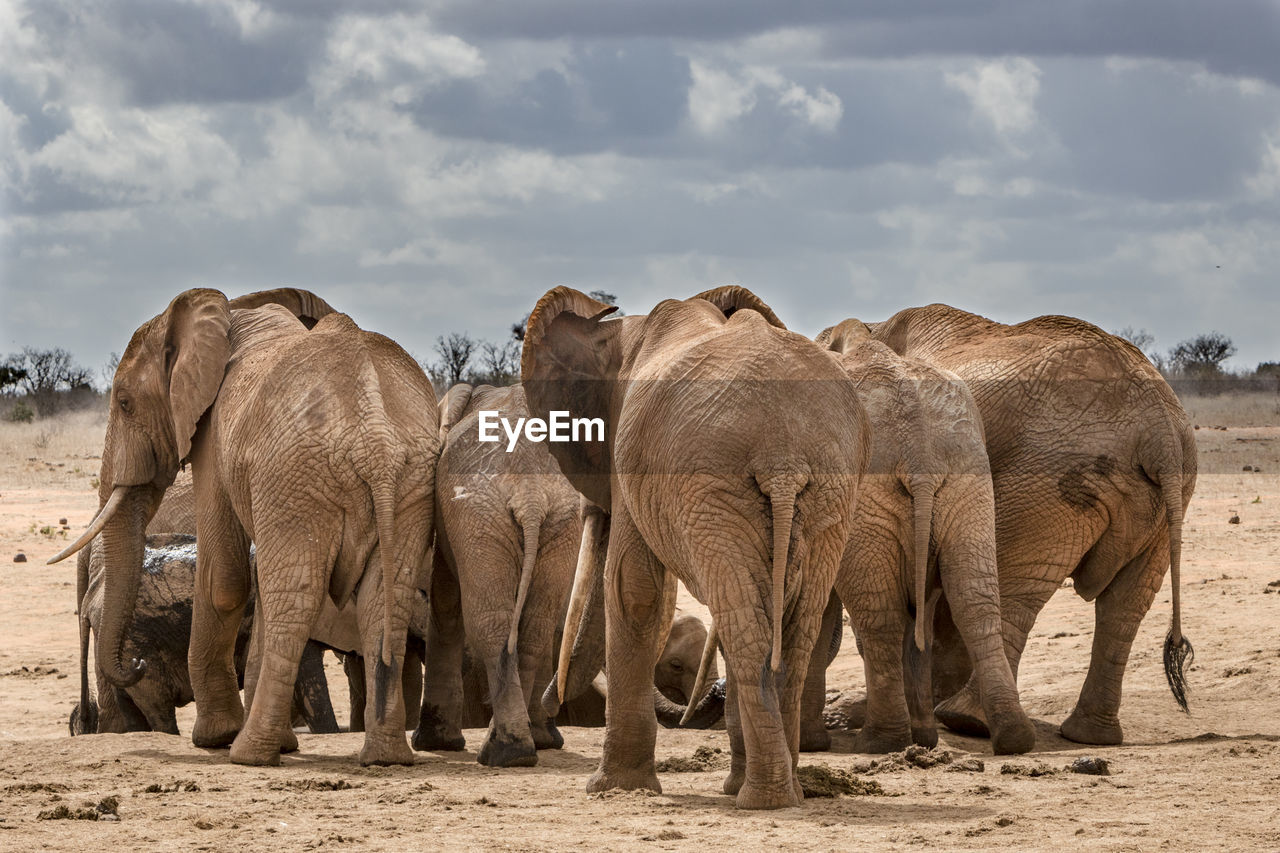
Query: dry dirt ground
{"x": 1208, "y": 780}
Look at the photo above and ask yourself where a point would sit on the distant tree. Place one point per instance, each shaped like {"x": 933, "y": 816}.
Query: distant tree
{"x": 605, "y": 297}
{"x": 1268, "y": 368}
{"x": 11, "y": 376}
{"x": 1140, "y": 338}
{"x": 499, "y": 364}
{"x": 1202, "y": 355}
{"x": 455, "y": 354}
{"x": 109, "y": 369}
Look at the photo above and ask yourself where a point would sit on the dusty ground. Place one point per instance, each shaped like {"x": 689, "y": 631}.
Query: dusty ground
{"x": 1209, "y": 780}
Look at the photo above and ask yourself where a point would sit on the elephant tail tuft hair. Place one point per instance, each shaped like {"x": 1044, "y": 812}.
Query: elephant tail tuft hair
{"x": 782, "y": 491}
{"x": 530, "y": 521}
{"x": 1178, "y": 653}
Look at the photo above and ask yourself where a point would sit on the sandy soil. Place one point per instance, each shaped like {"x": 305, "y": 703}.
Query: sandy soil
{"x": 1208, "y": 780}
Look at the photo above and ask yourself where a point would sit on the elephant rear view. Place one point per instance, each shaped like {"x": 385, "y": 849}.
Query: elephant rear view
{"x": 926, "y": 518}
{"x": 319, "y": 446}
{"x": 731, "y": 458}
{"x": 508, "y": 527}
{"x": 1093, "y": 462}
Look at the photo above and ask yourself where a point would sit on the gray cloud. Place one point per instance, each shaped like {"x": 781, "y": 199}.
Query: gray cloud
{"x": 439, "y": 172}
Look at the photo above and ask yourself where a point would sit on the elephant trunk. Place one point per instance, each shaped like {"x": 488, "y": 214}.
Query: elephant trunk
{"x": 123, "y": 542}
{"x": 703, "y": 715}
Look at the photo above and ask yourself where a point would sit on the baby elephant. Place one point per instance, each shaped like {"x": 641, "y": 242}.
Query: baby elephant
{"x": 161, "y": 633}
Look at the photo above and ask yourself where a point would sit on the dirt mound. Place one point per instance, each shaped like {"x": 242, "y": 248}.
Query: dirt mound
{"x": 704, "y": 758}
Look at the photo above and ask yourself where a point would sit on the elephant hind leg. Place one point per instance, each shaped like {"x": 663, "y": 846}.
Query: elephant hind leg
{"x": 1118, "y": 611}
{"x": 813, "y": 730}
{"x": 440, "y": 715}
{"x": 384, "y": 721}
{"x": 292, "y": 583}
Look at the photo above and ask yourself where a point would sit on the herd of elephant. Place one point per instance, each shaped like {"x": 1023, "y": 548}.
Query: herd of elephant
{"x": 938, "y": 475}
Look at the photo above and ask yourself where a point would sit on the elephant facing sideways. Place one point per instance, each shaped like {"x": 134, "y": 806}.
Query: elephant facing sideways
{"x": 732, "y": 454}
{"x": 507, "y": 537}
{"x": 319, "y": 446}
{"x": 926, "y": 516}
{"x": 1093, "y": 463}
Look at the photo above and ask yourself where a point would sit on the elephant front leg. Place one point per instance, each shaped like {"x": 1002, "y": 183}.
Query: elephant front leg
{"x": 440, "y": 717}
{"x": 218, "y": 601}
{"x": 1118, "y": 611}
{"x": 635, "y": 584}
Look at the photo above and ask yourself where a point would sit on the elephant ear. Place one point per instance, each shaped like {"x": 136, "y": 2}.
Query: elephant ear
{"x": 844, "y": 335}
{"x": 570, "y": 363}
{"x": 732, "y": 298}
{"x": 452, "y": 406}
{"x": 304, "y": 304}
{"x": 196, "y": 352}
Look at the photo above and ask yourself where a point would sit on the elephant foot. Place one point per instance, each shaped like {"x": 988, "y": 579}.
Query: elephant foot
{"x": 384, "y": 752}
{"x": 434, "y": 740}
{"x": 753, "y": 796}
{"x": 926, "y": 736}
{"x": 626, "y": 780}
{"x": 214, "y": 731}
{"x": 436, "y": 734}
{"x": 815, "y": 740}
{"x": 289, "y": 741}
{"x": 503, "y": 749}
{"x": 255, "y": 753}
{"x": 1012, "y": 733}
{"x": 547, "y": 736}
{"x": 1081, "y": 729}
{"x": 876, "y": 742}
{"x": 963, "y": 714}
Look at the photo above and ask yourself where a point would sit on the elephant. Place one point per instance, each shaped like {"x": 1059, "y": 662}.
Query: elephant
{"x": 674, "y": 676}
{"x": 926, "y": 516}
{"x": 730, "y": 460}
{"x": 293, "y": 444}
{"x": 1093, "y": 464}
{"x": 162, "y": 627}
{"x": 507, "y": 524}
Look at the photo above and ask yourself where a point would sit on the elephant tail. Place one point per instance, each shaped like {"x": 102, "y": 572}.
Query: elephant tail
{"x": 922, "y": 493}
{"x": 530, "y": 521}
{"x": 782, "y": 491}
{"x": 1178, "y": 653}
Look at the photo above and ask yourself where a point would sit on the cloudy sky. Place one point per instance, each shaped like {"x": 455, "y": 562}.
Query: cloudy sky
{"x": 431, "y": 167}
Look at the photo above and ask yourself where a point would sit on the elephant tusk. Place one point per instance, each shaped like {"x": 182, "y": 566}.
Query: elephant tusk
{"x": 95, "y": 526}
{"x": 578, "y": 599}
{"x": 700, "y": 681}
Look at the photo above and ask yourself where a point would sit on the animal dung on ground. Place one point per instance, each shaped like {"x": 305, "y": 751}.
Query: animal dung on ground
{"x": 1090, "y": 766}
{"x": 819, "y": 780}
{"x": 19, "y": 557}
{"x": 1235, "y": 519}
{"x": 1032, "y": 770}
{"x": 968, "y": 765}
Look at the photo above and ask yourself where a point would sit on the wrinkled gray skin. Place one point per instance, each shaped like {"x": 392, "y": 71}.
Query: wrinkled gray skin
{"x": 730, "y": 463}
{"x": 1093, "y": 463}
{"x": 507, "y": 541}
{"x": 926, "y": 518}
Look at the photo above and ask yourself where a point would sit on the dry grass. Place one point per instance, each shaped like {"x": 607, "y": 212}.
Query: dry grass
{"x": 49, "y": 451}
{"x": 1247, "y": 409}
